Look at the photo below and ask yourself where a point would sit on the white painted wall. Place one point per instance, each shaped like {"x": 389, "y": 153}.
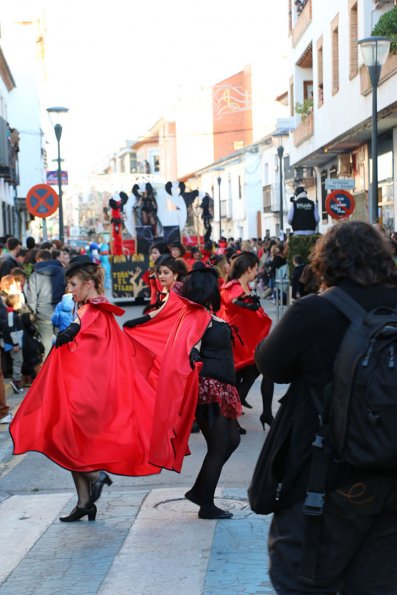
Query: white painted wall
{"x": 194, "y": 141}
{"x": 348, "y": 107}
{"x": 23, "y": 103}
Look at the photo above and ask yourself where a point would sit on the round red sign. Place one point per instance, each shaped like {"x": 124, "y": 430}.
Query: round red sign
{"x": 339, "y": 204}
{"x": 42, "y": 200}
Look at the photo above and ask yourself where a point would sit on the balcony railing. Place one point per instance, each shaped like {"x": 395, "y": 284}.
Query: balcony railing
{"x": 388, "y": 69}
{"x": 302, "y": 23}
{"x": 304, "y": 130}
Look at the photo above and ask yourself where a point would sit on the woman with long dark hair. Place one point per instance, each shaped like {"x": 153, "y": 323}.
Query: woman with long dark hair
{"x": 156, "y": 250}
{"x": 190, "y": 364}
{"x": 241, "y": 308}
{"x": 218, "y": 400}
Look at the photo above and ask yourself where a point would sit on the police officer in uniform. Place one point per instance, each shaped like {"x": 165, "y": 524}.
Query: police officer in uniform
{"x": 303, "y": 214}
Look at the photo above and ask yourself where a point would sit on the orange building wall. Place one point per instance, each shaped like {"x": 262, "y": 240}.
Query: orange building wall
{"x": 232, "y": 113}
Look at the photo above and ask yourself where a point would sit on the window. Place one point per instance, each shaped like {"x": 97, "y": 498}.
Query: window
{"x": 133, "y": 163}
{"x": 266, "y": 174}
{"x": 240, "y": 194}
{"x": 353, "y": 40}
{"x": 267, "y": 199}
{"x": 238, "y": 144}
{"x": 292, "y": 97}
{"x": 320, "y": 73}
{"x": 335, "y": 54}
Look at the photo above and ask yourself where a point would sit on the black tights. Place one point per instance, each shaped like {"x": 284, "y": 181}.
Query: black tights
{"x": 82, "y": 482}
{"x": 245, "y": 378}
{"x": 223, "y": 437}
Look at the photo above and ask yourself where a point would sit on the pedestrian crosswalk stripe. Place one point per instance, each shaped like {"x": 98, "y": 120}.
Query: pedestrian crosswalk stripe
{"x": 23, "y": 520}
{"x": 180, "y": 544}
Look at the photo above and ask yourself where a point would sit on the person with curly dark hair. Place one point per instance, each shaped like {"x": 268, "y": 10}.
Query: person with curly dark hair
{"x": 354, "y": 252}
{"x": 358, "y": 531}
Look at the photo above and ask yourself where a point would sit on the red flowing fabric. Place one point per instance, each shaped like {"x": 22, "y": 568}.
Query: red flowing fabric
{"x": 89, "y": 408}
{"x": 150, "y": 339}
{"x": 252, "y": 325}
{"x": 177, "y": 391}
{"x": 162, "y": 347}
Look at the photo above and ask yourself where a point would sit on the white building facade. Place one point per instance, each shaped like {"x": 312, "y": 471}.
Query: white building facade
{"x": 23, "y": 42}
{"x": 8, "y": 152}
{"x": 329, "y": 87}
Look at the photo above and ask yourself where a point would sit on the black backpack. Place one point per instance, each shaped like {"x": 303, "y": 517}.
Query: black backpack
{"x": 357, "y": 412}
{"x": 361, "y": 402}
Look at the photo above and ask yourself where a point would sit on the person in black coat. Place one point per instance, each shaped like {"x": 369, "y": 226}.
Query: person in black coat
{"x": 358, "y": 539}
{"x": 9, "y": 260}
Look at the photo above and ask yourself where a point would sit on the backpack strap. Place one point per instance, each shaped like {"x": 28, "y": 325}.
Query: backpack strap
{"x": 313, "y": 506}
{"x": 344, "y": 303}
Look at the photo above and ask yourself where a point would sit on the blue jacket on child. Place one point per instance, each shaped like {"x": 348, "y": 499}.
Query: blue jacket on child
{"x": 64, "y": 312}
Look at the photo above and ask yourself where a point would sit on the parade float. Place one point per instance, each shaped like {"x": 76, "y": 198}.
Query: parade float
{"x": 151, "y": 212}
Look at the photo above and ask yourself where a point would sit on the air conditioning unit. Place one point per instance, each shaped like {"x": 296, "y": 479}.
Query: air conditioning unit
{"x": 344, "y": 166}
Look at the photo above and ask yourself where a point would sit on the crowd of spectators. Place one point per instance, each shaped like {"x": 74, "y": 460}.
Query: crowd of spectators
{"x": 33, "y": 306}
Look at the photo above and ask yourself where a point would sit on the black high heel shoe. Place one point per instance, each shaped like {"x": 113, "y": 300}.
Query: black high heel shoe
{"x": 78, "y": 513}
{"x": 241, "y": 430}
{"x": 96, "y": 486}
{"x": 245, "y": 404}
{"x": 264, "y": 419}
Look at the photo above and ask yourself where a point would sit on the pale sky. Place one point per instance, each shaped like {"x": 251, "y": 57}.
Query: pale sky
{"x": 118, "y": 65}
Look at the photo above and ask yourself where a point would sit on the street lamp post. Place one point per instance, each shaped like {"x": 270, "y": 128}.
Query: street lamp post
{"x": 280, "y": 153}
{"x": 56, "y": 114}
{"x": 374, "y": 51}
{"x": 219, "y": 180}
{"x": 278, "y": 136}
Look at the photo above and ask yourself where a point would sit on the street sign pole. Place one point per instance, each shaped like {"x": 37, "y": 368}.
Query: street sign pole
{"x": 58, "y": 134}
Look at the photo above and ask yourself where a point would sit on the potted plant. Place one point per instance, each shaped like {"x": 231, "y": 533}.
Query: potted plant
{"x": 305, "y": 108}
{"x": 387, "y": 27}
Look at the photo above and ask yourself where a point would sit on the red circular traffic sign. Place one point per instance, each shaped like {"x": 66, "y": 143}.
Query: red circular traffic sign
{"x": 339, "y": 204}
{"x": 42, "y": 200}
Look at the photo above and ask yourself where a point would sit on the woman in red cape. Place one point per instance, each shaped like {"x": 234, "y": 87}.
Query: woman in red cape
{"x": 242, "y": 310}
{"x": 149, "y": 277}
{"x": 161, "y": 343}
{"x": 193, "y": 355}
{"x": 88, "y": 410}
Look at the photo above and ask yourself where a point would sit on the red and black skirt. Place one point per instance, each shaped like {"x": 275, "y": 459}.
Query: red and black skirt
{"x": 226, "y": 395}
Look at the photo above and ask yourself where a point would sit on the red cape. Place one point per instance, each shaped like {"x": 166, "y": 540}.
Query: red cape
{"x": 252, "y": 325}
{"x": 88, "y": 408}
{"x": 162, "y": 347}
{"x": 148, "y": 340}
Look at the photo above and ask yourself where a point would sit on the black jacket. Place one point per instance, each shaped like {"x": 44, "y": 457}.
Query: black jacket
{"x": 7, "y": 263}
{"x": 4, "y": 328}
{"x": 45, "y": 288}
{"x": 301, "y": 351}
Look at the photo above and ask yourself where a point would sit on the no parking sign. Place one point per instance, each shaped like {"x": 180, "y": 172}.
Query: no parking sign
{"x": 339, "y": 204}
{"x": 42, "y": 200}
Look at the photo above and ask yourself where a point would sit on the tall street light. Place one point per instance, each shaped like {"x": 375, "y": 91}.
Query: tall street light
{"x": 374, "y": 51}
{"x": 219, "y": 180}
{"x": 56, "y": 115}
{"x": 278, "y": 137}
